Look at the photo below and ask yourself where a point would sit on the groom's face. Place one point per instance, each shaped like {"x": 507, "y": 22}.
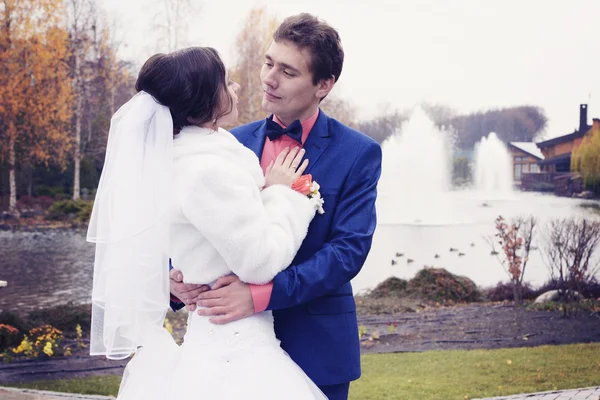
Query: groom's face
{"x": 288, "y": 89}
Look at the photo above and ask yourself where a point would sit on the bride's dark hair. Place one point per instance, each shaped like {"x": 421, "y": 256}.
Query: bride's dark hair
{"x": 191, "y": 82}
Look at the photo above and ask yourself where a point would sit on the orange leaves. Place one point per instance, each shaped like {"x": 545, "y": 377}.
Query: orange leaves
{"x": 34, "y": 85}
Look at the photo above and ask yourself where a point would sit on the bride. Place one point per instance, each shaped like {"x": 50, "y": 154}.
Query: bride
{"x": 176, "y": 185}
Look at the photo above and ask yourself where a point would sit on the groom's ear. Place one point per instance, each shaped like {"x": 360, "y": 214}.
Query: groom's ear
{"x": 324, "y": 87}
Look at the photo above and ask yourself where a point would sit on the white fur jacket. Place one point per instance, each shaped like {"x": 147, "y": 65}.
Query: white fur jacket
{"x": 222, "y": 220}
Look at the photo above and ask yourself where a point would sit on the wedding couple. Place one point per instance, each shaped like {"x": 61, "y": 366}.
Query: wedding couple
{"x": 262, "y": 259}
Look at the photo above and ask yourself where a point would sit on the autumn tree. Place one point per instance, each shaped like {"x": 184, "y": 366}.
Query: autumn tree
{"x": 518, "y": 124}
{"x": 251, "y": 45}
{"x": 586, "y": 159}
{"x": 82, "y": 26}
{"x": 100, "y": 78}
{"x": 384, "y": 125}
{"x": 172, "y": 21}
{"x": 35, "y": 94}
{"x": 439, "y": 113}
{"x": 340, "y": 109}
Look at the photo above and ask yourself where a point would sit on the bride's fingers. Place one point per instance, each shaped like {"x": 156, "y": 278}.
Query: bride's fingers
{"x": 298, "y": 159}
{"x": 289, "y": 159}
{"x": 269, "y": 168}
{"x": 281, "y": 157}
{"x": 302, "y": 168}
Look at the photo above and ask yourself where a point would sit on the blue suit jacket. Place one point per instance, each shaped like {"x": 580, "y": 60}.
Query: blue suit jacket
{"x": 312, "y": 300}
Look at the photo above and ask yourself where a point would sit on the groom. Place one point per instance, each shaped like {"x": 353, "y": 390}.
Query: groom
{"x": 312, "y": 300}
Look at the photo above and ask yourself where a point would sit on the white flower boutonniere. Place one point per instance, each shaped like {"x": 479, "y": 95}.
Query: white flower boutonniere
{"x": 315, "y": 195}
{"x": 310, "y": 188}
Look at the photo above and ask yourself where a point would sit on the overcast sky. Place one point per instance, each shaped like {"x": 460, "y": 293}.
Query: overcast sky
{"x": 469, "y": 54}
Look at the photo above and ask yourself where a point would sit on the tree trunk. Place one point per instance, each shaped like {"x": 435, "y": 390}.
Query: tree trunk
{"x": 78, "y": 112}
{"x": 517, "y": 292}
{"x": 12, "y": 205}
{"x": 30, "y": 183}
{"x": 77, "y": 163}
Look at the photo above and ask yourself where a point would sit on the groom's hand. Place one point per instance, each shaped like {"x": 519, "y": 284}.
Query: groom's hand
{"x": 229, "y": 300}
{"x": 187, "y": 293}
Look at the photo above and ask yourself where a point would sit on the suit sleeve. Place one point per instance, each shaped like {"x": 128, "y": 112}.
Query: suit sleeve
{"x": 342, "y": 257}
{"x": 257, "y": 232}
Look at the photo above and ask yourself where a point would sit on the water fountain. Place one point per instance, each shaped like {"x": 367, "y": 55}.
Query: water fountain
{"x": 415, "y": 172}
{"x": 493, "y": 174}
{"x": 421, "y": 217}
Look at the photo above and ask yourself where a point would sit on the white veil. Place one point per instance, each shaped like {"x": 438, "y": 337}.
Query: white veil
{"x": 130, "y": 226}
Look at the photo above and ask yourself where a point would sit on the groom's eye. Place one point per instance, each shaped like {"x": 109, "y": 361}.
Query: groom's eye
{"x": 288, "y": 73}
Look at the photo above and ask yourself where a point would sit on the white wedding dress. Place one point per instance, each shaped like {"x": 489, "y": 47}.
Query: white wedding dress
{"x": 223, "y": 223}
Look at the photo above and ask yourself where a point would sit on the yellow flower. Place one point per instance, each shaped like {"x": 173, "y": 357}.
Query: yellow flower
{"x": 168, "y": 326}
{"x": 48, "y": 349}
{"x": 25, "y": 347}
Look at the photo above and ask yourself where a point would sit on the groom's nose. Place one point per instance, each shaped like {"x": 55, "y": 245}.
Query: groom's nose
{"x": 270, "y": 79}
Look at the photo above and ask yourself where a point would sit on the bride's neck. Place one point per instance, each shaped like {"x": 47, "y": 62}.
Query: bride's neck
{"x": 210, "y": 125}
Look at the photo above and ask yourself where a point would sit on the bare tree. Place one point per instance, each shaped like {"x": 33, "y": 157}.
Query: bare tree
{"x": 515, "y": 239}
{"x": 82, "y": 26}
{"x": 569, "y": 253}
{"x": 172, "y": 23}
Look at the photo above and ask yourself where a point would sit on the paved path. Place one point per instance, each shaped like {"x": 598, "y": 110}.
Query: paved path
{"x": 27, "y": 394}
{"x": 592, "y": 393}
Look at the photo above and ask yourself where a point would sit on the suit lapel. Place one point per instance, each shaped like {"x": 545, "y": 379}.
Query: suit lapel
{"x": 256, "y": 140}
{"x": 318, "y": 140}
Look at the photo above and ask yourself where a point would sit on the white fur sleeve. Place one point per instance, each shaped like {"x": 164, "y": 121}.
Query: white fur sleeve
{"x": 257, "y": 233}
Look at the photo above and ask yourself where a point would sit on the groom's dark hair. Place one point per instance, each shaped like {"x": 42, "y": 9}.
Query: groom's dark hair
{"x": 323, "y": 41}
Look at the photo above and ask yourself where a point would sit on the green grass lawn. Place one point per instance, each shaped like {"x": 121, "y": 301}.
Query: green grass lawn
{"x": 477, "y": 373}
{"x": 438, "y": 375}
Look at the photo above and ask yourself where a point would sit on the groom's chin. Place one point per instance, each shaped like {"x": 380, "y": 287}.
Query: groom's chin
{"x": 268, "y": 106}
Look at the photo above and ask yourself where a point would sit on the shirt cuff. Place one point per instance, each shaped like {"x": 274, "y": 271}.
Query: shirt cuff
{"x": 261, "y": 295}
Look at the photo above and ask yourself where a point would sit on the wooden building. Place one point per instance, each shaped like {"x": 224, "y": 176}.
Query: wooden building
{"x": 557, "y": 151}
{"x": 525, "y": 159}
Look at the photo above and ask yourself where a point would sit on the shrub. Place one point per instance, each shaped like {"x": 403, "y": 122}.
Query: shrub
{"x": 65, "y": 317}
{"x": 504, "y": 291}
{"x": 50, "y": 191}
{"x": 570, "y": 250}
{"x": 9, "y": 336}
{"x": 78, "y": 210}
{"x": 437, "y": 284}
{"x": 12, "y": 319}
{"x": 390, "y": 287}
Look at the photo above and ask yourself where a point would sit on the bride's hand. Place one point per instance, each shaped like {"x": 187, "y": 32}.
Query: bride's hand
{"x": 286, "y": 168}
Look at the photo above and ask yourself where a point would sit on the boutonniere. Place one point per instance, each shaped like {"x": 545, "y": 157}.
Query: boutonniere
{"x": 306, "y": 186}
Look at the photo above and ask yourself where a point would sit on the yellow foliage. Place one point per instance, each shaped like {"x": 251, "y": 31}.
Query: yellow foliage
{"x": 35, "y": 90}
{"x": 362, "y": 331}
{"x": 251, "y": 45}
{"x": 585, "y": 159}
{"x": 168, "y": 326}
